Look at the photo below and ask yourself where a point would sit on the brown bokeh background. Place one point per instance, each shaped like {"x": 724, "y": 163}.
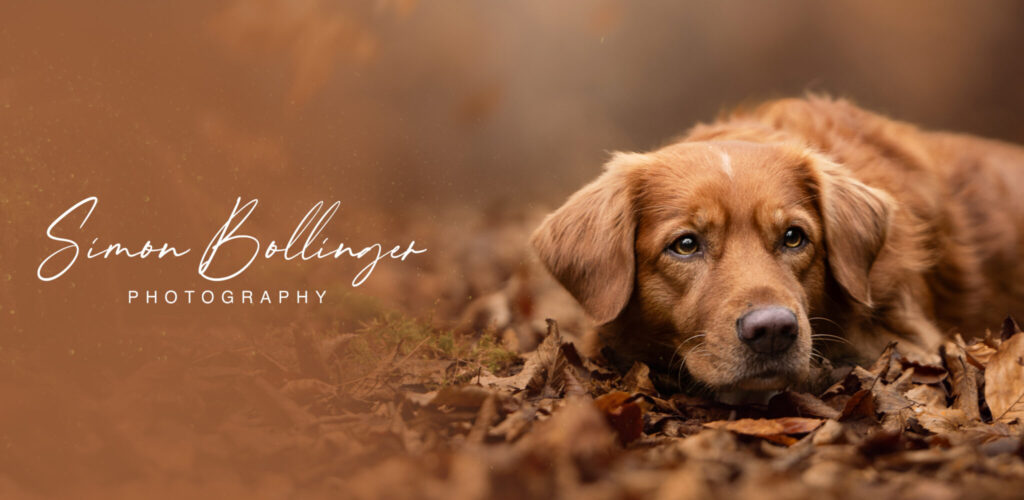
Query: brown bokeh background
{"x": 433, "y": 121}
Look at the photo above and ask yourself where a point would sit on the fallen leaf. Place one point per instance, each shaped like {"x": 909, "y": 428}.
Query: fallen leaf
{"x": 515, "y": 424}
{"x": 554, "y": 363}
{"x": 623, "y": 413}
{"x": 543, "y": 371}
{"x": 847, "y": 383}
{"x": 485, "y": 418}
{"x": 860, "y": 405}
{"x": 1001, "y": 446}
{"x": 884, "y": 361}
{"x": 638, "y": 379}
{"x": 775, "y": 429}
{"x": 941, "y": 421}
{"x": 925, "y": 373}
{"x": 964, "y": 380}
{"x": 927, "y": 395}
{"x": 573, "y": 385}
{"x": 1004, "y": 381}
{"x": 576, "y": 433}
{"x": 832, "y": 432}
{"x": 464, "y": 396}
{"x": 801, "y": 404}
{"x": 889, "y": 398}
{"x": 882, "y": 442}
{"x": 979, "y": 354}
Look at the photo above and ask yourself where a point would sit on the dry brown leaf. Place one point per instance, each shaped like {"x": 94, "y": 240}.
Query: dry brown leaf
{"x": 775, "y": 429}
{"x": 485, "y": 418}
{"x": 554, "y": 361}
{"x": 860, "y": 405}
{"x": 889, "y": 398}
{"x": 698, "y": 408}
{"x": 884, "y": 361}
{"x": 927, "y": 395}
{"x": 964, "y": 380}
{"x": 638, "y": 379}
{"x": 624, "y": 414}
{"x": 465, "y": 396}
{"x": 573, "y": 385}
{"x": 925, "y": 373}
{"x": 845, "y": 384}
{"x": 537, "y": 368}
{"x": 941, "y": 421}
{"x": 577, "y": 433}
{"x": 801, "y": 404}
{"x": 979, "y": 354}
{"x": 532, "y": 368}
{"x": 832, "y": 432}
{"x": 1004, "y": 381}
{"x": 516, "y": 424}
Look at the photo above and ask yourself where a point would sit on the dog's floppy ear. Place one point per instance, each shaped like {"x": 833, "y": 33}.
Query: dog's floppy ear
{"x": 856, "y": 223}
{"x": 587, "y": 244}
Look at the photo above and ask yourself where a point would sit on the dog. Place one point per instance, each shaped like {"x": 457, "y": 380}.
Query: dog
{"x": 797, "y": 230}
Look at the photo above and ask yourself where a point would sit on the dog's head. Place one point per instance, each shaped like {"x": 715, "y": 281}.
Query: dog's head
{"x": 712, "y": 255}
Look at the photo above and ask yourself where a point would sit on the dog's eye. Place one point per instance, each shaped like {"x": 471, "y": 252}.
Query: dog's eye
{"x": 685, "y": 245}
{"x": 794, "y": 237}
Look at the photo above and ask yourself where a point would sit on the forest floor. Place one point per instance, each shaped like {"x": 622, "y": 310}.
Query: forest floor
{"x": 502, "y": 403}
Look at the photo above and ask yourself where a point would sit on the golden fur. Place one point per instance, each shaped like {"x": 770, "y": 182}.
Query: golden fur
{"x": 911, "y": 235}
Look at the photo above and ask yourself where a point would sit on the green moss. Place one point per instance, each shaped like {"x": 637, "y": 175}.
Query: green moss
{"x": 343, "y": 309}
{"x": 397, "y": 330}
{"x": 389, "y": 333}
{"x": 489, "y": 352}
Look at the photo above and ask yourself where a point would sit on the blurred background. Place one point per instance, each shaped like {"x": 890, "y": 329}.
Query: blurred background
{"x": 413, "y": 114}
{"x": 455, "y": 124}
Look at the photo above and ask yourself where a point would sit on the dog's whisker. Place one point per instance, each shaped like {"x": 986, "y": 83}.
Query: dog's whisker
{"x": 679, "y": 347}
{"x": 827, "y": 336}
{"x": 682, "y": 365}
{"x": 699, "y": 348}
{"x": 700, "y": 343}
{"x": 822, "y": 318}
{"x": 830, "y": 338}
{"x": 674, "y": 354}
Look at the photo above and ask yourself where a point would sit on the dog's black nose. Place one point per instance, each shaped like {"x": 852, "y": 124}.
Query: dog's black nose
{"x": 768, "y": 330}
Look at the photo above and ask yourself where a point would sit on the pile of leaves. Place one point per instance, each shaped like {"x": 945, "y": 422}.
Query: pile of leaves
{"x": 562, "y": 426}
{"x": 402, "y": 410}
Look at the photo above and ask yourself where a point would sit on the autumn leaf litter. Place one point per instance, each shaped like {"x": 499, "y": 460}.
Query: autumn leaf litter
{"x": 556, "y": 424}
{"x": 506, "y": 405}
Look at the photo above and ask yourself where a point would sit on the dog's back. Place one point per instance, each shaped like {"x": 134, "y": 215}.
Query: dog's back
{"x": 985, "y": 204}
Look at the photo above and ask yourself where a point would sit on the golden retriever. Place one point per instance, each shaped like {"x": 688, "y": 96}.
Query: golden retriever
{"x": 798, "y": 228}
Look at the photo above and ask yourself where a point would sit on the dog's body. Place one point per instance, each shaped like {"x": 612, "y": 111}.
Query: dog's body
{"x": 720, "y": 252}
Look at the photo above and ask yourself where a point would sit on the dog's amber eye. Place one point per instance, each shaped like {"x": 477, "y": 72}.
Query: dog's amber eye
{"x": 685, "y": 245}
{"x": 794, "y": 238}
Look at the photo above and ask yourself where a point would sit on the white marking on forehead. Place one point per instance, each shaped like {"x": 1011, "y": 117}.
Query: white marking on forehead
{"x": 726, "y": 163}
